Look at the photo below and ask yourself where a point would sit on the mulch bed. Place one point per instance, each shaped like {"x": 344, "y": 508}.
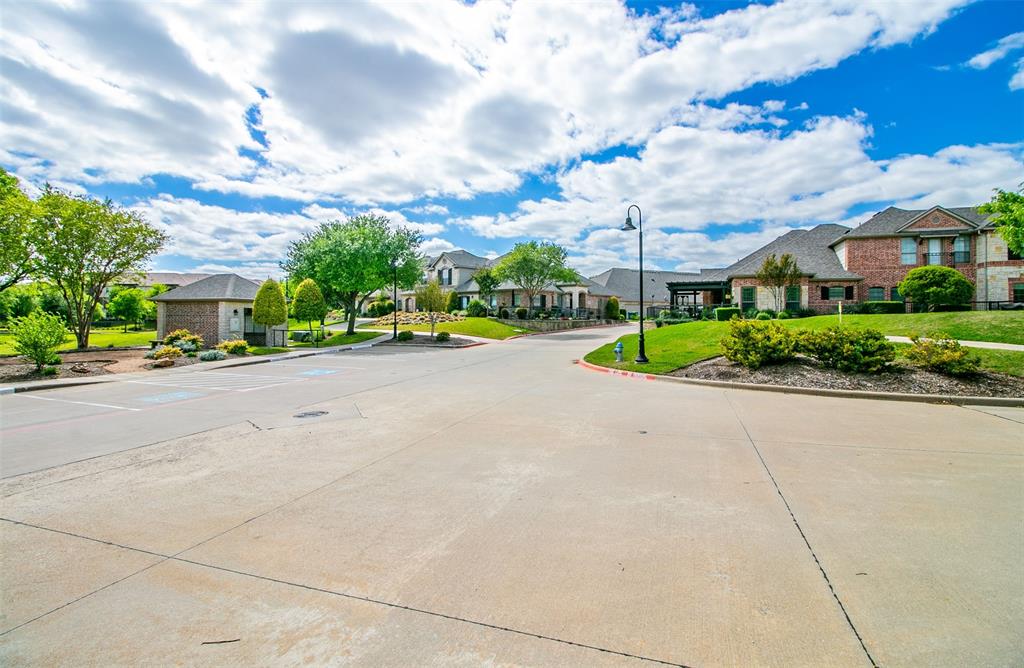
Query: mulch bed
{"x": 82, "y": 365}
{"x": 803, "y": 372}
{"x": 426, "y": 341}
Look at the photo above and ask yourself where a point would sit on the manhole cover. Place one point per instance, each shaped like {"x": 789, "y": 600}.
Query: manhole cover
{"x": 310, "y": 414}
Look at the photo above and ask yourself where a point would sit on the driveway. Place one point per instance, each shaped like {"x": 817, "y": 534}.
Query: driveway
{"x": 499, "y": 505}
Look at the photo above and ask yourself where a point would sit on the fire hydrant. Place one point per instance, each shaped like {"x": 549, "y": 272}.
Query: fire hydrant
{"x": 618, "y": 351}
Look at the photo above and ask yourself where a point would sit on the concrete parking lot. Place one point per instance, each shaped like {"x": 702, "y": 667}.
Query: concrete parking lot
{"x": 499, "y": 505}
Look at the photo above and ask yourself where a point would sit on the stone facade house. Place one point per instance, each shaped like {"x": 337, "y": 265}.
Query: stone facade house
{"x": 866, "y": 263}
{"x": 218, "y": 308}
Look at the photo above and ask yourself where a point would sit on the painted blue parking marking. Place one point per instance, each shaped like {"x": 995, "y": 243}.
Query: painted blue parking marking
{"x": 318, "y": 372}
{"x": 168, "y": 397}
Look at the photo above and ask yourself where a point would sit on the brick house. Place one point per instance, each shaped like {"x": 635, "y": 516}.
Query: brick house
{"x": 217, "y": 308}
{"x": 866, "y": 263}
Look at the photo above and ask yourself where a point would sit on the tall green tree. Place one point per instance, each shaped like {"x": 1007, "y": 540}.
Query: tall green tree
{"x": 83, "y": 245}
{"x": 353, "y": 260}
{"x": 269, "y": 308}
{"x": 487, "y": 284}
{"x": 534, "y": 265}
{"x": 19, "y": 224}
{"x": 1009, "y": 210}
{"x": 777, "y": 275}
{"x": 309, "y": 304}
{"x": 432, "y": 299}
{"x": 128, "y": 305}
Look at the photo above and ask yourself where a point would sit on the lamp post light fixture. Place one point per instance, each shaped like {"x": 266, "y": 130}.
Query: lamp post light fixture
{"x": 641, "y": 356}
{"x": 394, "y": 300}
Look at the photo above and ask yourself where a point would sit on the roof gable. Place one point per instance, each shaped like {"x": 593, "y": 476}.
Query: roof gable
{"x": 219, "y": 287}
{"x": 937, "y": 218}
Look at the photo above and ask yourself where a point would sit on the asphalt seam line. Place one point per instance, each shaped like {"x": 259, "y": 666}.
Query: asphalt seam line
{"x": 799, "y": 529}
{"x": 330, "y": 592}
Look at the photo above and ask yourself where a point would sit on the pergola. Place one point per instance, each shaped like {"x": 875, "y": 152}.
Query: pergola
{"x": 693, "y": 295}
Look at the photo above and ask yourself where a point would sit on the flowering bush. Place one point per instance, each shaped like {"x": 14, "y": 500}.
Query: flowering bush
{"x": 186, "y": 336}
{"x": 234, "y": 347}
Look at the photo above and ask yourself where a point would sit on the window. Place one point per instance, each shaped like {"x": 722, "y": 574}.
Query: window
{"x": 962, "y": 250}
{"x": 876, "y": 294}
{"x": 1018, "y": 292}
{"x": 908, "y": 251}
{"x": 837, "y": 293}
{"x": 792, "y": 297}
{"x": 515, "y": 299}
{"x": 747, "y": 297}
{"x": 894, "y": 295}
{"x": 935, "y": 251}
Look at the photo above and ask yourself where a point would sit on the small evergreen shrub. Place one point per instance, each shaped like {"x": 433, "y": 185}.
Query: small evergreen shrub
{"x": 521, "y": 313}
{"x": 190, "y": 354}
{"x": 763, "y": 316}
{"x": 883, "y": 307}
{"x": 750, "y": 313}
{"x": 212, "y": 356}
{"x": 754, "y": 344}
{"x": 944, "y": 356}
{"x": 504, "y": 313}
{"x": 611, "y": 308}
{"x": 849, "y": 350}
{"x": 442, "y": 337}
{"x": 404, "y": 335}
{"x": 723, "y": 313}
{"x": 234, "y": 346}
{"x": 184, "y": 335}
{"x": 49, "y": 371}
{"x": 783, "y": 315}
{"x": 476, "y": 309}
{"x": 167, "y": 352}
{"x": 769, "y": 311}
{"x": 185, "y": 346}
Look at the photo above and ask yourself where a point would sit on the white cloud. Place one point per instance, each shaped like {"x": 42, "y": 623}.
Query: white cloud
{"x": 429, "y": 210}
{"x": 1003, "y": 48}
{"x": 436, "y": 246}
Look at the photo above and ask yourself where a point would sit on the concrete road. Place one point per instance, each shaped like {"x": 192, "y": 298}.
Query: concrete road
{"x": 498, "y": 505}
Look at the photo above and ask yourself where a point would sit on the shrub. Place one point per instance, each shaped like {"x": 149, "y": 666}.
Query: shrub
{"x": 49, "y": 371}
{"x": 405, "y": 335}
{"x": 783, "y": 315}
{"x": 763, "y": 316}
{"x": 521, "y": 313}
{"x": 185, "y": 346}
{"x": 184, "y": 335}
{"x": 943, "y": 356}
{"x": 453, "y": 302}
{"x": 166, "y": 352}
{"x": 770, "y": 312}
{"x": 726, "y": 312}
{"x": 37, "y": 336}
{"x": 849, "y": 350}
{"x": 750, "y": 313}
{"x": 936, "y": 286}
{"x": 380, "y": 308}
{"x": 504, "y": 313}
{"x": 190, "y": 354}
{"x": 442, "y": 337}
{"x": 611, "y": 308}
{"x": 269, "y": 307}
{"x": 212, "y": 356}
{"x": 476, "y": 309}
{"x": 754, "y": 344}
{"x": 883, "y": 307}
{"x": 234, "y": 346}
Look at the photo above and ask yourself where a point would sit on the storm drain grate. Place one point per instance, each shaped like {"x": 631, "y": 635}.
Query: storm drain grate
{"x": 310, "y": 414}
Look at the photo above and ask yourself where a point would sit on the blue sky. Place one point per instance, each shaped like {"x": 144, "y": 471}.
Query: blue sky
{"x": 482, "y": 125}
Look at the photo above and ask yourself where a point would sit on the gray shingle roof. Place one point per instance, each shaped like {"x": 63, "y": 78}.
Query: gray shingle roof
{"x": 886, "y": 222}
{"x": 151, "y": 278}
{"x": 811, "y": 249}
{"x": 463, "y": 258}
{"x": 625, "y": 283}
{"x": 219, "y": 287}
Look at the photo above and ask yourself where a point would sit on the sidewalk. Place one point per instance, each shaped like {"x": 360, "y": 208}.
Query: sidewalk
{"x": 970, "y": 344}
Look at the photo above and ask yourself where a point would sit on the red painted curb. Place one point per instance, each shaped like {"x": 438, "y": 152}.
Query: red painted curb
{"x": 615, "y": 372}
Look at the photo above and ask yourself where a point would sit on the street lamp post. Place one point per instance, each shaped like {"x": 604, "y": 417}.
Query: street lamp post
{"x": 394, "y": 300}
{"x": 641, "y": 356}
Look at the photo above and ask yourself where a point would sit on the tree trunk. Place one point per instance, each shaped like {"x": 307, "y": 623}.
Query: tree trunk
{"x": 350, "y": 314}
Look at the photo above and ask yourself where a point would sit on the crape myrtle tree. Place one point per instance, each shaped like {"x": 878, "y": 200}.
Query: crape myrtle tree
{"x": 1009, "y": 210}
{"x": 353, "y": 259}
{"x": 83, "y": 244}
{"x": 19, "y": 223}
{"x": 309, "y": 304}
{"x": 532, "y": 266}
{"x": 777, "y": 275}
{"x": 269, "y": 308}
{"x": 432, "y": 299}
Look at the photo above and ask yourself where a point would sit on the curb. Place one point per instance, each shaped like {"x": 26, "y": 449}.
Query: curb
{"x": 112, "y": 378}
{"x": 1012, "y": 402}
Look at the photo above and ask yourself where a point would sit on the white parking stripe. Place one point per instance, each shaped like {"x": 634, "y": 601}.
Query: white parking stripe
{"x": 83, "y": 403}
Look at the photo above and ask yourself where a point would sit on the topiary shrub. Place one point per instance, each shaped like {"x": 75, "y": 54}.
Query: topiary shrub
{"x": 611, "y": 308}
{"x": 404, "y": 335}
{"x": 521, "y": 313}
{"x": 763, "y": 316}
{"x": 504, "y": 313}
{"x": 754, "y": 344}
{"x": 184, "y": 335}
{"x": 883, "y": 307}
{"x": 849, "y": 350}
{"x": 442, "y": 337}
{"x": 934, "y": 286}
{"x": 166, "y": 352}
{"x": 212, "y": 356}
{"x": 726, "y": 312}
{"x": 234, "y": 346}
{"x": 943, "y": 355}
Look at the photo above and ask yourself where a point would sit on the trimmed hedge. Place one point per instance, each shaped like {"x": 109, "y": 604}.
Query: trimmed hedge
{"x": 727, "y": 312}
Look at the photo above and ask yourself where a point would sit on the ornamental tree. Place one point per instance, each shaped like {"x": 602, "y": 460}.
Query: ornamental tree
{"x": 432, "y": 299}
{"x": 309, "y": 304}
{"x": 1009, "y": 210}
{"x": 532, "y": 266}
{"x": 936, "y": 286}
{"x": 352, "y": 260}
{"x": 269, "y": 308}
{"x": 37, "y": 336}
{"x": 487, "y": 284}
{"x": 777, "y": 275}
{"x": 83, "y": 244}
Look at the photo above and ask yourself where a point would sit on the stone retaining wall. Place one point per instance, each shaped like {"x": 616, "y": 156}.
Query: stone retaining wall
{"x": 555, "y": 325}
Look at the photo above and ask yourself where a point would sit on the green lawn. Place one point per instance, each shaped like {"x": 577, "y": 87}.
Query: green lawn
{"x": 268, "y": 350}
{"x": 303, "y": 325}
{"x": 675, "y": 346}
{"x": 485, "y": 327}
{"x": 340, "y": 340}
{"x": 98, "y": 338}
